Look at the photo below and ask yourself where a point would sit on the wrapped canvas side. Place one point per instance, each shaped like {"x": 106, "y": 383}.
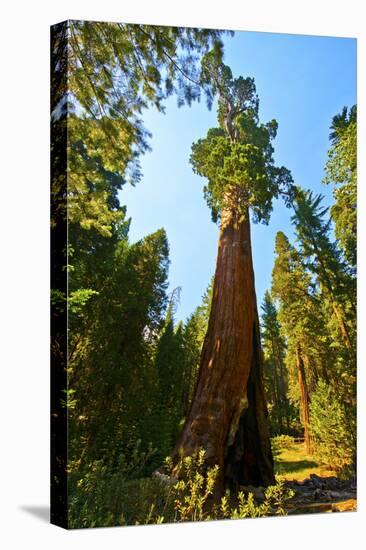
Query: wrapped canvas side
{"x": 59, "y": 438}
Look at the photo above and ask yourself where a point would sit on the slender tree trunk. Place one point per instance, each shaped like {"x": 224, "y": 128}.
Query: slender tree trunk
{"x": 228, "y": 415}
{"x": 283, "y": 387}
{"x": 304, "y": 396}
{"x": 275, "y": 376}
{"x": 342, "y": 326}
{"x": 278, "y": 393}
{"x": 186, "y": 385}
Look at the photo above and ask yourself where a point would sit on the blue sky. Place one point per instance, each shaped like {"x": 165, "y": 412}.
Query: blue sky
{"x": 302, "y": 82}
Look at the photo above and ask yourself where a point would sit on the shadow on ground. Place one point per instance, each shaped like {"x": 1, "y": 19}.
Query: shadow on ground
{"x": 40, "y": 512}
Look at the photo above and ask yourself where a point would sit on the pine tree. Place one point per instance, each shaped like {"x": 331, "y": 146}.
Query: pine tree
{"x": 113, "y": 335}
{"x": 194, "y": 332}
{"x": 275, "y": 374}
{"x": 298, "y": 314}
{"x": 341, "y": 171}
{"x": 324, "y": 259}
{"x": 169, "y": 361}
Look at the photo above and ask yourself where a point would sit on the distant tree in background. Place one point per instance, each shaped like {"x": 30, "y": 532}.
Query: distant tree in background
{"x": 324, "y": 259}
{"x": 341, "y": 171}
{"x": 291, "y": 286}
{"x": 194, "y": 332}
{"x": 275, "y": 372}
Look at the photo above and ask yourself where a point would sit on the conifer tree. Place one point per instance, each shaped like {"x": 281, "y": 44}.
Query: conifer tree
{"x": 112, "y": 336}
{"x": 324, "y": 259}
{"x": 228, "y": 416}
{"x": 169, "y": 362}
{"x": 194, "y": 332}
{"x": 114, "y": 72}
{"x": 275, "y": 374}
{"x": 341, "y": 171}
{"x": 291, "y": 285}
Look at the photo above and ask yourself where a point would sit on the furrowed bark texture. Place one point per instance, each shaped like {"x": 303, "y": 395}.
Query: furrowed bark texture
{"x": 228, "y": 415}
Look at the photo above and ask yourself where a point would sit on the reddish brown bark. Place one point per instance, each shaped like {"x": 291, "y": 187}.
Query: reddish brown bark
{"x": 228, "y": 416}
{"x": 304, "y": 399}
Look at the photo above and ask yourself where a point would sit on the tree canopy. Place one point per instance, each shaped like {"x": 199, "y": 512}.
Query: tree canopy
{"x": 114, "y": 72}
{"x": 341, "y": 171}
{"x": 237, "y": 156}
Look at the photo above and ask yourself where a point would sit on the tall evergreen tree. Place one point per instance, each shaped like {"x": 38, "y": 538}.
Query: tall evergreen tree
{"x": 228, "y": 416}
{"x": 324, "y": 259}
{"x": 194, "y": 332}
{"x": 111, "y": 376}
{"x": 341, "y": 171}
{"x": 275, "y": 374}
{"x": 169, "y": 396}
{"x": 298, "y": 313}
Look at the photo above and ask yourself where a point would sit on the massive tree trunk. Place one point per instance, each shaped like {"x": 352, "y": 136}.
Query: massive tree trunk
{"x": 228, "y": 416}
{"x": 304, "y": 399}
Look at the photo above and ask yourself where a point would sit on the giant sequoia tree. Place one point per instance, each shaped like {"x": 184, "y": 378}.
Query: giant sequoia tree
{"x": 228, "y": 416}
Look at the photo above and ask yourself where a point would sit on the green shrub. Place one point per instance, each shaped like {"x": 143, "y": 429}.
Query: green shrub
{"x": 102, "y": 495}
{"x": 101, "y": 498}
{"x": 193, "y": 491}
{"x": 275, "y": 498}
{"x": 194, "y": 487}
{"x": 331, "y": 429}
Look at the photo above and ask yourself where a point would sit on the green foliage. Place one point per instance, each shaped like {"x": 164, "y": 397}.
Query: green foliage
{"x": 331, "y": 428}
{"x": 193, "y": 494}
{"x": 79, "y": 298}
{"x": 300, "y": 315}
{"x": 114, "y": 72}
{"x": 335, "y": 291}
{"x": 275, "y": 500}
{"x": 237, "y": 158}
{"x": 195, "y": 485}
{"x": 99, "y": 152}
{"x": 275, "y": 372}
{"x": 322, "y": 255}
{"x": 341, "y": 170}
{"x": 102, "y": 497}
{"x": 111, "y": 367}
{"x": 168, "y": 408}
{"x": 293, "y": 287}
{"x": 194, "y": 332}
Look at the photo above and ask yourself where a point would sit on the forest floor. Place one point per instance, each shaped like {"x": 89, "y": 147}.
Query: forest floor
{"x": 316, "y": 488}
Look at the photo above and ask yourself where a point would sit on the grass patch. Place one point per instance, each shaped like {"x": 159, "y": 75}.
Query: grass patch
{"x": 294, "y": 463}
